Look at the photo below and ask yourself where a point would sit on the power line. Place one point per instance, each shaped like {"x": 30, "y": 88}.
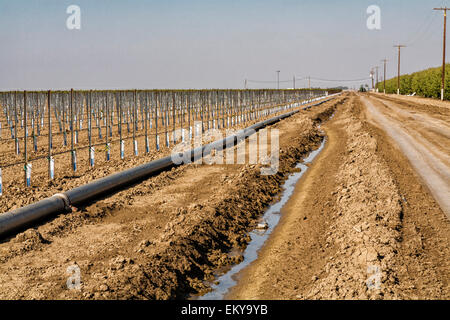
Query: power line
{"x": 312, "y": 78}
{"x": 340, "y": 80}
{"x": 421, "y": 31}
{"x": 426, "y": 32}
{"x": 268, "y": 81}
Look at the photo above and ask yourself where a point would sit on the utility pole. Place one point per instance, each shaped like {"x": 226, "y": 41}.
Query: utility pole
{"x": 443, "y": 48}
{"x": 293, "y": 81}
{"x": 376, "y": 82}
{"x": 309, "y": 86}
{"x": 399, "y": 46}
{"x": 371, "y": 76}
{"x": 278, "y": 79}
{"x": 245, "y": 84}
{"x": 384, "y": 78}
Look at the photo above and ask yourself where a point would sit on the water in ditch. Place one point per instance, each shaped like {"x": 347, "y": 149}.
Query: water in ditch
{"x": 272, "y": 216}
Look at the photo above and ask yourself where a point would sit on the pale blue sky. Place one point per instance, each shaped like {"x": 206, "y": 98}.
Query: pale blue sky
{"x": 209, "y": 43}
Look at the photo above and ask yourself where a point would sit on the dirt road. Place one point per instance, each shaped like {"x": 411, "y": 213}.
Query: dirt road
{"x": 423, "y": 137}
{"x": 361, "y": 224}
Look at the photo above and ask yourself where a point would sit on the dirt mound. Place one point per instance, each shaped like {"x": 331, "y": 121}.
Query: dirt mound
{"x": 367, "y": 225}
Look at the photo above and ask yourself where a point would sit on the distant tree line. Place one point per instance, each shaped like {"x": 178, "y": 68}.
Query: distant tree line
{"x": 426, "y": 83}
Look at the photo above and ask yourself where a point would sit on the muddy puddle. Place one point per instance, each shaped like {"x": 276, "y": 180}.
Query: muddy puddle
{"x": 224, "y": 282}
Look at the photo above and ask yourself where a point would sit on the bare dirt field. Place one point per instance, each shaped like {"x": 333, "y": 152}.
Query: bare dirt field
{"x": 157, "y": 240}
{"x": 362, "y": 211}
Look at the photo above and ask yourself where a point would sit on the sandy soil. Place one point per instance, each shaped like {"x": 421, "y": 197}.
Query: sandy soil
{"x": 160, "y": 239}
{"x": 359, "y": 216}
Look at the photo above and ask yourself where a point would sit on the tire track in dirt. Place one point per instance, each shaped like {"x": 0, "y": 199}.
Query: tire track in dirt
{"x": 424, "y": 268}
{"x": 427, "y": 161}
{"x": 425, "y": 126}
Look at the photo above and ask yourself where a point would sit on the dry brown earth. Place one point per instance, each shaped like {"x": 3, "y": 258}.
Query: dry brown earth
{"x": 360, "y": 210}
{"x": 160, "y": 239}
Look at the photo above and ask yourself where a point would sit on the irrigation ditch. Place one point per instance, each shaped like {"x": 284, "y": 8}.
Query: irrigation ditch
{"x": 221, "y": 286}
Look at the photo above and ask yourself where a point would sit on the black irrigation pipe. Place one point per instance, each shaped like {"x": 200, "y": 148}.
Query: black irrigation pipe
{"x": 20, "y": 218}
